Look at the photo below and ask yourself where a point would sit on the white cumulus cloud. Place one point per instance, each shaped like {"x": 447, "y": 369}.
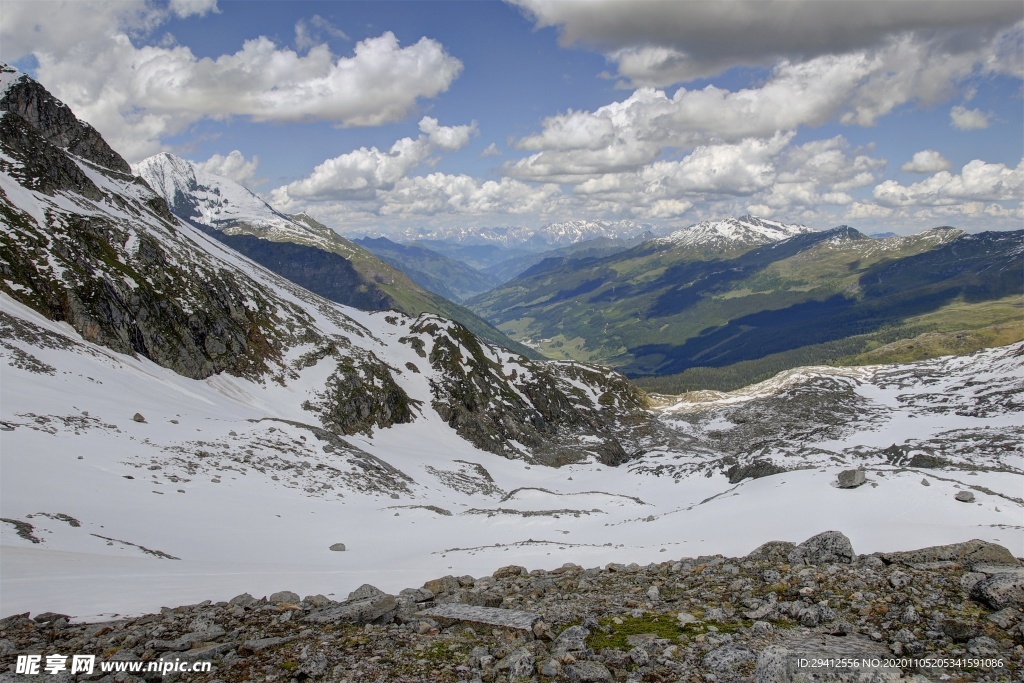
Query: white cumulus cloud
{"x": 963, "y": 118}
{"x": 234, "y": 166}
{"x": 977, "y": 181}
{"x": 92, "y": 56}
{"x": 188, "y": 8}
{"x": 361, "y": 173}
{"x": 926, "y": 161}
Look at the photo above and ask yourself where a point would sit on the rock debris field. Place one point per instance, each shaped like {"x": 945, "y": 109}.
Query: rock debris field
{"x": 816, "y": 611}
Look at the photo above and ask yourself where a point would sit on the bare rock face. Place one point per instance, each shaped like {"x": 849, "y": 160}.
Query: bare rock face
{"x": 58, "y": 125}
{"x": 542, "y": 408}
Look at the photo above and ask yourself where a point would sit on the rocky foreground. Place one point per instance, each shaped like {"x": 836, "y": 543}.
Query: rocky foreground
{"x": 809, "y": 612}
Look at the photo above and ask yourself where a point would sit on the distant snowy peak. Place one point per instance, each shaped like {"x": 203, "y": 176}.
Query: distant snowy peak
{"x": 551, "y": 235}
{"x": 222, "y": 204}
{"x": 571, "y": 232}
{"x": 745, "y": 230}
{"x": 205, "y": 198}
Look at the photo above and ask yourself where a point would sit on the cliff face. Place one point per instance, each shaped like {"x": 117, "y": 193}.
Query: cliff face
{"x": 56, "y": 123}
{"x": 126, "y": 279}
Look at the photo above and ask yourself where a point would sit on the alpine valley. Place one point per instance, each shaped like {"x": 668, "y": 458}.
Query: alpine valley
{"x": 181, "y": 424}
{"x": 724, "y": 303}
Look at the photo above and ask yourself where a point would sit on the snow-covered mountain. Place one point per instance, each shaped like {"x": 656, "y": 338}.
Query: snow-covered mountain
{"x": 229, "y": 207}
{"x": 297, "y": 247}
{"x": 178, "y": 423}
{"x": 745, "y": 231}
{"x": 546, "y": 237}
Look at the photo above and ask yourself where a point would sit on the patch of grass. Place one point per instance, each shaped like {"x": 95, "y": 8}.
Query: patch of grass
{"x": 661, "y": 625}
{"x": 441, "y": 654}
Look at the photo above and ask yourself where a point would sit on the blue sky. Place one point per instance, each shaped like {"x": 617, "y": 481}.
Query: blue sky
{"x": 888, "y": 115}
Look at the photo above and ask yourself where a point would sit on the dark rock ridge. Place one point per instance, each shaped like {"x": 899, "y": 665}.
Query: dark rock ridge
{"x": 539, "y": 405}
{"x": 57, "y": 124}
{"x": 711, "y": 618}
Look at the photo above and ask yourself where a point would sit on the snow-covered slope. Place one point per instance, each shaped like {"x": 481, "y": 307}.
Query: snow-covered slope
{"x": 746, "y": 231}
{"x": 179, "y": 424}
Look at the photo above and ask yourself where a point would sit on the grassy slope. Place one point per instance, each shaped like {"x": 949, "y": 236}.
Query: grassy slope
{"x": 815, "y": 299}
{"x": 401, "y": 292}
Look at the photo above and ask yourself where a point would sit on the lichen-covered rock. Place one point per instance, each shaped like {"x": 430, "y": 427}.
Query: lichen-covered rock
{"x": 969, "y": 554}
{"x": 773, "y": 551}
{"x": 1000, "y": 591}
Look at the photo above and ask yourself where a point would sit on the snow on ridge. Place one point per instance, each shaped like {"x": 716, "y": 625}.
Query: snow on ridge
{"x": 8, "y": 77}
{"x": 742, "y": 230}
{"x": 222, "y": 203}
{"x": 553, "y": 234}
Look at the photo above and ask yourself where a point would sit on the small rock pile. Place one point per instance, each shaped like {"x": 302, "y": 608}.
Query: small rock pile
{"x": 785, "y": 613}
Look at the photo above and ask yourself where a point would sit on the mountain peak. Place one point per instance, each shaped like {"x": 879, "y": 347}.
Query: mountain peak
{"x": 742, "y": 231}
{"x": 54, "y": 121}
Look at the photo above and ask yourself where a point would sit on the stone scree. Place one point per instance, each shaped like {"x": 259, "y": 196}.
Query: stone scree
{"x": 768, "y": 617}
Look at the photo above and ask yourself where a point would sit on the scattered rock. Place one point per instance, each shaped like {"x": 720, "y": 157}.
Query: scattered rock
{"x": 759, "y": 617}
{"x": 338, "y": 547}
{"x": 965, "y": 497}
{"x": 137, "y": 417}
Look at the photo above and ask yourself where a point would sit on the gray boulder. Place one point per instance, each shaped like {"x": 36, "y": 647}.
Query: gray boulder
{"x": 365, "y": 605}
{"x": 1000, "y": 591}
{"x": 773, "y": 551}
{"x": 284, "y": 596}
{"x": 728, "y": 659}
{"x": 829, "y": 547}
{"x": 587, "y": 672}
{"x": 519, "y": 663}
{"x": 965, "y": 497}
{"x": 970, "y": 554}
{"x": 851, "y": 479}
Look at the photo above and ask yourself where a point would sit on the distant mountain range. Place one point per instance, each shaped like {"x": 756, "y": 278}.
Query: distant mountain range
{"x": 298, "y": 247}
{"x": 531, "y": 239}
{"x": 733, "y": 301}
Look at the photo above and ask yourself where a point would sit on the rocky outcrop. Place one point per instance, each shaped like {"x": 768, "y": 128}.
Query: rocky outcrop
{"x": 538, "y": 405}
{"x": 56, "y": 123}
{"x": 969, "y": 554}
{"x": 856, "y": 621}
